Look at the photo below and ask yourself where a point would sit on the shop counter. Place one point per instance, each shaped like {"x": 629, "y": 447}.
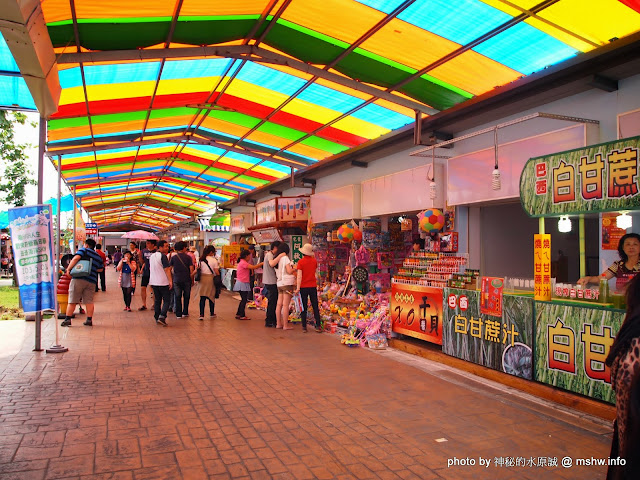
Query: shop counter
{"x": 416, "y": 311}
{"x": 502, "y": 343}
{"x": 560, "y": 343}
{"x": 572, "y": 341}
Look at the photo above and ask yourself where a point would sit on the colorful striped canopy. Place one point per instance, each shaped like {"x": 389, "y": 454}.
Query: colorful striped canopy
{"x": 14, "y": 93}
{"x": 171, "y": 105}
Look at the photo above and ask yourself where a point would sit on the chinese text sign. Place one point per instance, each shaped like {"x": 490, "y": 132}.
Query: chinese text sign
{"x": 600, "y": 177}
{"x": 31, "y": 235}
{"x": 542, "y": 266}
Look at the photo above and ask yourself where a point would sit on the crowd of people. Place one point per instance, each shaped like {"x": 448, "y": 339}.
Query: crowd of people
{"x": 168, "y": 275}
{"x": 171, "y": 273}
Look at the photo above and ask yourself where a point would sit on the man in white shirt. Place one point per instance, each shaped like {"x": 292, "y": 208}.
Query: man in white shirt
{"x": 161, "y": 281}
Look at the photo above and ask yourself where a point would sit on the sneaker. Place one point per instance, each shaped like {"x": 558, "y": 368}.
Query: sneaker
{"x": 162, "y": 321}
{"x": 88, "y": 323}
{"x": 318, "y": 330}
{"x": 178, "y": 317}
{"x": 304, "y": 330}
{"x": 142, "y": 308}
{"x": 201, "y": 319}
{"x": 125, "y": 309}
{"x": 185, "y": 314}
{"x": 128, "y": 309}
{"x": 66, "y": 323}
{"x": 213, "y": 315}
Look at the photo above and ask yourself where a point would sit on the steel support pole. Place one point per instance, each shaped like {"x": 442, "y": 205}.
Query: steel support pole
{"x": 583, "y": 258}
{"x": 73, "y": 193}
{"x": 57, "y": 348}
{"x": 42, "y": 138}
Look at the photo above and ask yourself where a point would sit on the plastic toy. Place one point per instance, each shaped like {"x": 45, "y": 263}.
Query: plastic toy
{"x": 431, "y": 221}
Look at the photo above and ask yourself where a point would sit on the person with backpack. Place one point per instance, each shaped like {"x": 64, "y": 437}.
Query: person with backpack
{"x": 208, "y": 270}
{"x": 183, "y": 270}
{"x": 83, "y": 288}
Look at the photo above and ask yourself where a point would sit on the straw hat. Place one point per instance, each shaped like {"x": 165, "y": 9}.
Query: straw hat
{"x": 307, "y": 249}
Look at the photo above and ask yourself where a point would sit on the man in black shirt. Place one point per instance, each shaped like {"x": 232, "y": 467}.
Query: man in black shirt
{"x": 183, "y": 270}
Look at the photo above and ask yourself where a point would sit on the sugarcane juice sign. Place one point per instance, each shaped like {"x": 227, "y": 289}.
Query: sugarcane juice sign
{"x": 31, "y": 235}
{"x": 499, "y": 342}
{"x": 542, "y": 266}
{"x": 597, "y": 178}
{"x": 416, "y": 311}
{"x": 572, "y": 344}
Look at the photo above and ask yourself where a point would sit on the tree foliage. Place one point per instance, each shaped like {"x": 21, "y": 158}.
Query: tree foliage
{"x": 15, "y": 170}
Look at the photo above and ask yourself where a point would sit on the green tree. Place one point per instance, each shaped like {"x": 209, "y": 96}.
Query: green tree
{"x": 16, "y": 174}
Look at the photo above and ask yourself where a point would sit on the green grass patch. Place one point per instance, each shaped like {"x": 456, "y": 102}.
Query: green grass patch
{"x": 9, "y": 309}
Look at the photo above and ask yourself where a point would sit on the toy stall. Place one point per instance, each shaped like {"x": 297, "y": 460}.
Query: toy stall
{"x": 417, "y": 287}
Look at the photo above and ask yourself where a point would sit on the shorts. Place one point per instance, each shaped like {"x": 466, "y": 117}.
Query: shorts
{"x": 81, "y": 290}
{"x": 288, "y": 289}
{"x": 145, "y": 279}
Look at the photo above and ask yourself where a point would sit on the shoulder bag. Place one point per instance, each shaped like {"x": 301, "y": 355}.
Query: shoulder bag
{"x": 83, "y": 268}
{"x": 185, "y": 266}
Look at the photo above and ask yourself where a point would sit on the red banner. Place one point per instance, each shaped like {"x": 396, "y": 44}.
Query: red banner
{"x": 416, "y": 311}
{"x": 491, "y": 296}
{"x": 611, "y": 234}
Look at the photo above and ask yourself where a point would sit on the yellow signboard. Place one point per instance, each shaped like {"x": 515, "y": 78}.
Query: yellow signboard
{"x": 542, "y": 266}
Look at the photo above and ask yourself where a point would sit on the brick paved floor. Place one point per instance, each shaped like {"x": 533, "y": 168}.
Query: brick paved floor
{"x": 229, "y": 399}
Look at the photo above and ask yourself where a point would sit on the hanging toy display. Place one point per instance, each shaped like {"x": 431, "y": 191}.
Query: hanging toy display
{"x": 431, "y": 220}
{"x": 347, "y": 233}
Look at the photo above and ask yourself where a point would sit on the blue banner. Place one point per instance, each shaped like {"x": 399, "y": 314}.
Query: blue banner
{"x": 32, "y": 241}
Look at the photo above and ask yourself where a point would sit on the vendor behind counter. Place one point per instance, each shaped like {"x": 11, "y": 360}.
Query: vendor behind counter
{"x": 624, "y": 269}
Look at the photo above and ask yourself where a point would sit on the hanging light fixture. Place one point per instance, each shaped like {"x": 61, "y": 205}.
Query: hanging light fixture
{"x": 495, "y": 180}
{"x": 433, "y": 192}
{"x": 564, "y": 224}
{"x": 624, "y": 221}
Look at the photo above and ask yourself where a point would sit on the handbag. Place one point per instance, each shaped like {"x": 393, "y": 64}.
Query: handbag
{"x": 297, "y": 303}
{"x": 83, "y": 268}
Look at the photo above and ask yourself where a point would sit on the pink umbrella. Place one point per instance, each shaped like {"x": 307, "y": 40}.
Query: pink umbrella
{"x": 140, "y": 235}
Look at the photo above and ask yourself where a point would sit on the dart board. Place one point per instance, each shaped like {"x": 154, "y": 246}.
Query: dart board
{"x": 360, "y": 274}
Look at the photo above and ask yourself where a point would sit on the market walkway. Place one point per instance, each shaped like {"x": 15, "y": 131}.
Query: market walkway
{"x": 231, "y": 399}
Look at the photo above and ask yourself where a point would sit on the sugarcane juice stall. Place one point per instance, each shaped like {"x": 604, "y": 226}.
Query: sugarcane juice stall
{"x": 558, "y": 334}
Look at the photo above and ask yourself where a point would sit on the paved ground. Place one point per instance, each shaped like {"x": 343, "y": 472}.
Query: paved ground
{"x": 229, "y": 399}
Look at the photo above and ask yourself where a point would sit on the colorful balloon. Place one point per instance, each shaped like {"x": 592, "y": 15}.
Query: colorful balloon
{"x": 431, "y": 220}
{"x": 347, "y": 233}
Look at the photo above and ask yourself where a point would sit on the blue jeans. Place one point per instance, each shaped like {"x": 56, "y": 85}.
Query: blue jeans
{"x": 161, "y": 299}
{"x": 183, "y": 295}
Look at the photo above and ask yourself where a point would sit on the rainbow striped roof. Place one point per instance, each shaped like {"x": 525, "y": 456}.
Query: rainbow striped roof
{"x": 168, "y": 106}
